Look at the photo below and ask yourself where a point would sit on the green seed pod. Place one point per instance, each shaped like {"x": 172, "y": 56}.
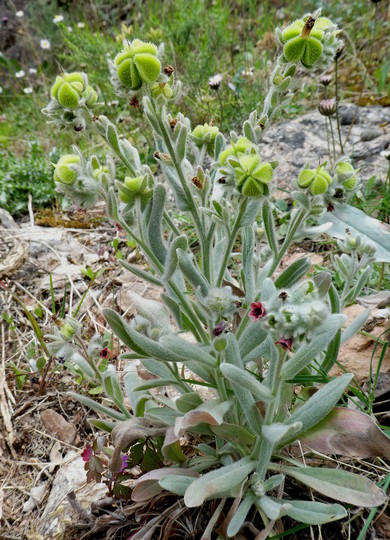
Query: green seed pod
{"x": 303, "y": 40}
{"x": 161, "y": 89}
{"x": 67, "y": 331}
{"x": 136, "y": 185}
{"x": 137, "y": 64}
{"x": 346, "y": 174}
{"x": 205, "y": 135}
{"x": 252, "y": 176}
{"x": 241, "y": 146}
{"x": 318, "y": 180}
{"x": 63, "y": 173}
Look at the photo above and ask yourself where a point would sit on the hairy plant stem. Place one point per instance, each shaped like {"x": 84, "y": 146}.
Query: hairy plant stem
{"x": 337, "y": 104}
{"x": 333, "y": 139}
{"x": 189, "y": 198}
{"x": 266, "y": 448}
{"x": 231, "y": 241}
{"x": 169, "y": 221}
{"x": 294, "y": 225}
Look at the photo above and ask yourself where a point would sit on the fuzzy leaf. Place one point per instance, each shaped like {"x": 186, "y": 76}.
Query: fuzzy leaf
{"x": 324, "y": 335}
{"x": 147, "y": 486}
{"x": 155, "y": 234}
{"x": 310, "y": 512}
{"x": 218, "y": 483}
{"x": 339, "y": 485}
{"x": 346, "y": 216}
{"x": 293, "y": 273}
{"x": 319, "y": 405}
{"x": 242, "y": 377}
{"x": 210, "y": 412}
{"x": 348, "y": 433}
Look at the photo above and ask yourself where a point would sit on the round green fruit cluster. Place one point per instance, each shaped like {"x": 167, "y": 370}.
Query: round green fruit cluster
{"x": 253, "y": 176}
{"x": 63, "y": 173}
{"x": 303, "y": 40}
{"x": 137, "y": 63}
{"x": 70, "y": 88}
{"x": 317, "y": 179}
{"x": 346, "y": 174}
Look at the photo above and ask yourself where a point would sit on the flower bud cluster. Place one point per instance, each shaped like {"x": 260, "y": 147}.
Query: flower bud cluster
{"x": 219, "y": 302}
{"x": 72, "y": 101}
{"x": 134, "y": 188}
{"x": 310, "y": 41}
{"x": 356, "y": 245}
{"x": 82, "y": 181}
{"x": 294, "y": 313}
{"x": 205, "y": 135}
{"x": 137, "y": 69}
{"x": 61, "y": 344}
{"x": 241, "y": 165}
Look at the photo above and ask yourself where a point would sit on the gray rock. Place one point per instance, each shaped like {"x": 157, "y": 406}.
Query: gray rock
{"x": 369, "y": 134}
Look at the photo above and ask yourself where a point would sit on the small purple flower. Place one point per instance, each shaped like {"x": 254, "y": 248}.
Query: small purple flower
{"x": 330, "y": 207}
{"x": 4, "y": 19}
{"x": 87, "y": 453}
{"x": 124, "y": 464}
{"x": 257, "y": 311}
{"x": 219, "y": 328}
{"x": 327, "y": 107}
{"x": 285, "y": 343}
{"x": 325, "y": 80}
{"x": 105, "y": 353}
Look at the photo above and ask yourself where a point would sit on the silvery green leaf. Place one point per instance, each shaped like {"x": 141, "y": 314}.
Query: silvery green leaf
{"x": 147, "y": 485}
{"x": 242, "y": 377}
{"x": 323, "y": 281}
{"x": 172, "y": 260}
{"x": 174, "y": 309}
{"x": 277, "y": 431}
{"x": 174, "y": 182}
{"x": 232, "y": 351}
{"x": 165, "y": 414}
{"x": 120, "y": 328}
{"x": 210, "y": 412}
{"x": 357, "y": 289}
{"x": 307, "y": 352}
{"x": 248, "y": 246}
{"x": 273, "y": 508}
{"x": 273, "y": 482}
{"x": 130, "y": 155}
{"x": 240, "y": 514}
{"x": 340, "y": 485}
{"x": 176, "y": 484}
{"x": 220, "y": 145}
{"x": 188, "y": 351}
{"x": 319, "y": 405}
{"x": 355, "y": 325}
{"x": 253, "y": 336}
{"x": 112, "y": 207}
{"x": 346, "y": 216}
{"x": 158, "y": 383}
{"x": 113, "y": 389}
{"x": 233, "y": 432}
{"x": 248, "y": 131}
{"x": 219, "y": 482}
{"x": 152, "y": 311}
{"x": 251, "y": 212}
{"x": 312, "y": 512}
{"x": 112, "y": 137}
{"x": 293, "y": 273}
{"x": 188, "y": 402}
{"x": 191, "y": 272}
{"x": 302, "y": 199}
{"x": 96, "y": 406}
{"x": 181, "y": 143}
{"x": 102, "y": 425}
{"x": 137, "y": 398}
{"x": 155, "y": 234}
{"x": 83, "y": 365}
{"x": 269, "y": 226}
{"x": 134, "y": 269}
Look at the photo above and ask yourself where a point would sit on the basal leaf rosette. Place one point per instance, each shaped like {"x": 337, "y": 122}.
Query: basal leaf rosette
{"x": 309, "y": 41}
{"x": 318, "y": 180}
{"x": 137, "y": 65}
{"x": 252, "y": 175}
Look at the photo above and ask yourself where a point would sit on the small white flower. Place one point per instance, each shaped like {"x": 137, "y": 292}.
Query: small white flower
{"x": 19, "y": 14}
{"x": 215, "y": 81}
{"x": 32, "y": 71}
{"x": 45, "y": 44}
{"x": 70, "y": 29}
{"x": 80, "y": 25}
{"x": 386, "y": 154}
{"x": 58, "y": 18}
{"x": 28, "y": 90}
{"x": 1, "y": 90}
{"x": 20, "y": 74}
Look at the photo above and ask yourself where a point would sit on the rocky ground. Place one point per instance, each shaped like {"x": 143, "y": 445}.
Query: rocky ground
{"x": 39, "y": 462}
